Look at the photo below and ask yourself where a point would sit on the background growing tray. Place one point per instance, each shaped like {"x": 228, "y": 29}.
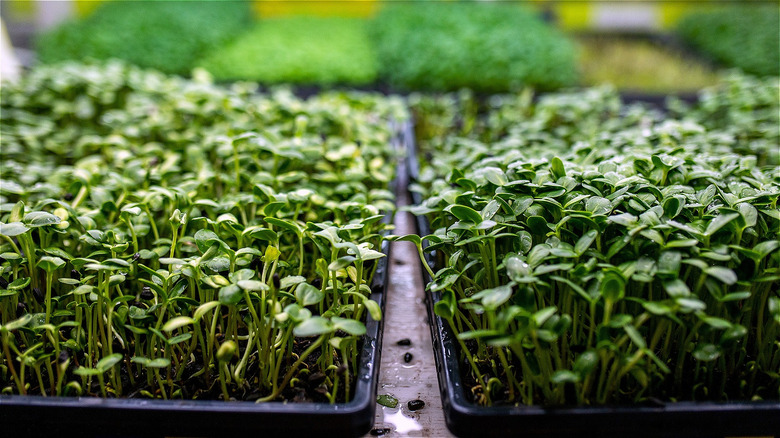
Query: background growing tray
{"x": 682, "y": 419}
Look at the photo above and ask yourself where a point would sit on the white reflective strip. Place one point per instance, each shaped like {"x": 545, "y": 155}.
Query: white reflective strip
{"x": 622, "y": 16}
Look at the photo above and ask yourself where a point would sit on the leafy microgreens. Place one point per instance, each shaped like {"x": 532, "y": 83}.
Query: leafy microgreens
{"x": 590, "y": 252}
{"x": 161, "y": 235}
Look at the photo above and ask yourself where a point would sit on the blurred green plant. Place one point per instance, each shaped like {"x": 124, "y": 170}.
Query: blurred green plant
{"x": 640, "y": 65}
{"x": 308, "y": 50}
{"x": 744, "y": 37}
{"x": 166, "y": 35}
{"x": 488, "y": 48}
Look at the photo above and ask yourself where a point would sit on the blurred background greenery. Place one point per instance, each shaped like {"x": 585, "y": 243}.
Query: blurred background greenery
{"x": 638, "y": 46}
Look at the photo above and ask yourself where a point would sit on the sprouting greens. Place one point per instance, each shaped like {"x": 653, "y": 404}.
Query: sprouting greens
{"x": 168, "y": 238}
{"x": 298, "y": 50}
{"x": 590, "y": 252}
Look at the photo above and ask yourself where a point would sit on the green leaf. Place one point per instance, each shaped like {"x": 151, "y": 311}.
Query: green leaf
{"x": 676, "y": 288}
{"x": 717, "y": 323}
{"x": 271, "y": 253}
{"x": 586, "y": 363}
{"x": 557, "y": 168}
{"x": 490, "y": 209}
{"x": 19, "y": 283}
{"x": 719, "y": 222}
{"x": 341, "y": 263}
{"x": 50, "y": 264}
{"x": 160, "y": 362}
{"x": 465, "y": 214}
{"x": 252, "y": 285}
{"x": 373, "y": 309}
{"x": 564, "y": 376}
{"x": 350, "y": 326}
{"x": 749, "y": 214}
{"x": 83, "y": 371}
{"x": 314, "y": 326}
{"x": 307, "y": 294}
{"x": 725, "y": 275}
{"x": 108, "y": 362}
{"x": 538, "y": 225}
{"x": 706, "y": 352}
{"x": 445, "y": 307}
{"x": 635, "y": 336}
{"x": 584, "y": 242}
{"x": 541, "y": 316}
{"x": 177, "y": 322}
{"x": 767, "y": 247}
{"x": 37, "y": 219}
{"x": 598, "y": 205}
{"x": 205, "y": 238}
{"x": 179, "y": 338}
{"x": 494, "y": 175}
{"x": 612, "y": 287}
{"x": 387, "y": 400}
{"x": 17, "y": 323}
{"x": 230, "y": 295}
{"x": 13, "y": 229}
{"x": 491, "y": 299}
{"x": 203, "y": 309}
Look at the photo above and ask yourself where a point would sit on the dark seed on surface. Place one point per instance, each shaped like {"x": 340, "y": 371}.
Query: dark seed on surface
{"x": 21, "y": 309}
{"x": 277, "y": 281}
{"x": 408, "y": 357}
{"x": 341, "y": 369}
{"x": 415, "y": 405}
{"x": 404, "y": 342}
{"x": 136, "y": 256}
{"x": 68, "y": 196}
{"x": 316, "y": 378}
{"x": 64, "y": 355}
{"x": 146, "y": 293}
{"x": 380, "y": 431}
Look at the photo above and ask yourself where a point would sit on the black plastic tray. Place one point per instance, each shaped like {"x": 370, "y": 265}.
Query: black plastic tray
{"x": 682, "y": 419}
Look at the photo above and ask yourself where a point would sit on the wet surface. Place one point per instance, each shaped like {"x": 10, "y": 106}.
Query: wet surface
{"x": 406, "y": 331}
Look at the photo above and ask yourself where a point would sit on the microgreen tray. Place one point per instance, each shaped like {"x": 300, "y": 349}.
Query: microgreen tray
{"x": 683, "y": 419}
{"x": 657, "y": 418}
{"x": 34, "y": 415}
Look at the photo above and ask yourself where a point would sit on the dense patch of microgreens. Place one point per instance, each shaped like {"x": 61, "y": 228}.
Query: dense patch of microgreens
{"x": 743, "y": 36}
{"x": 168, "y": 238}
{"x": 488, "y": 48}
{"x": 590, "y": 252}
{"x": 170, "y": 36}
{"x": 298, "y": 50}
